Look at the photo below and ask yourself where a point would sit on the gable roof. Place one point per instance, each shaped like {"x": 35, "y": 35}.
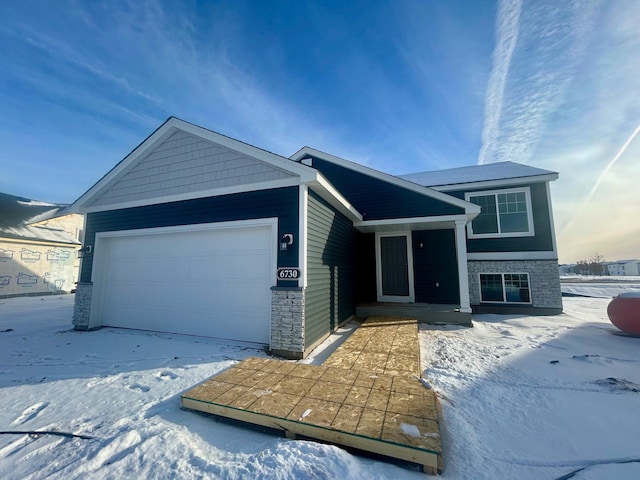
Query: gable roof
{"x": 296, "y": 173}
{"x": 490, "y": 174}
{"x": 306, "y": 152}
{"x": 18, "y": 213}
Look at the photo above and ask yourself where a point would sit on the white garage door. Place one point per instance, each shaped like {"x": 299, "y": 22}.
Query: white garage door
{"x": 213, "y": 281}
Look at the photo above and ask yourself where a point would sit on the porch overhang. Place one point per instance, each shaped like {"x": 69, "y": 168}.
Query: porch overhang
{"x": 440, "y": 222}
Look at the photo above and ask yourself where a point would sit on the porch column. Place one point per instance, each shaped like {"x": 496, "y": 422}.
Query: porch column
{"x": 463, "y": 273}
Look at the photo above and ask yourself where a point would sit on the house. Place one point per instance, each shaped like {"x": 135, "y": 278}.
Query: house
{"x": 567, "y": 269}
{"x": 623, "y": 268}
{"x": 38, "y": 247}
{"x": 197, "y": 233}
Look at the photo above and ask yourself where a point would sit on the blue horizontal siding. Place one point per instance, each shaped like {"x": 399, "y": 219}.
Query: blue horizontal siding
{"x": 542, "y": 240}
{"x": 376, "y": 199}
{"x": 281, "y": 203}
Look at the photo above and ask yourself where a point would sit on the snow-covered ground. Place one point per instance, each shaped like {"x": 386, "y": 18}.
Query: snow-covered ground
{"x": 598, "y": 286}
{"x": 523, "y": 397}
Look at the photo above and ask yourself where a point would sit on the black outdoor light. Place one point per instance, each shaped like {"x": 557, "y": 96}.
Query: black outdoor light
{"x": 286, "y": 241}
{"x": 84, "y": 250}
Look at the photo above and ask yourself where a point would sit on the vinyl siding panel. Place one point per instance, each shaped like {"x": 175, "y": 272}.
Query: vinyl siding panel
{"x": 435, "y": 267}
{"x": 185, "y": 163}
{"x": 377, "y": 199}
{"x": 281, "y": 203}
{"x": 329, "y": 298}
{"x": 542, "y": 240}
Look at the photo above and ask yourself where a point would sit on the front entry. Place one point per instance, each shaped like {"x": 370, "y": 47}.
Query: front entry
{"x": 394, "y": 268}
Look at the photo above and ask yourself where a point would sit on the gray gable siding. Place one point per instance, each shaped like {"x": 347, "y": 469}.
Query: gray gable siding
{"x": 329, "y": 298}
{"x": 185, "y": 163}
{"x": 377, "y": 199}
{"x": 281, "y": 203}
{"x": 542, "y": 241}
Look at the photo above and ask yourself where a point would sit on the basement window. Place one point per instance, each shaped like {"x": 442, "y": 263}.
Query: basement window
{"x": 505, "y": 288}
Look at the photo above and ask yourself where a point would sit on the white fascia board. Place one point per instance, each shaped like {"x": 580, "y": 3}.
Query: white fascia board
{"x": 327, "y": 191}
{"x": 254, "y": 187}
{"x": 551, "y": 220}
{"x": 442, "y": 222}
{"x": 304, "y": 172}
{"x": 411, "y": 220}
{"x": 505, "y": 182}
{"x": 385, "y": 177}
{"x": 506, "y": 256}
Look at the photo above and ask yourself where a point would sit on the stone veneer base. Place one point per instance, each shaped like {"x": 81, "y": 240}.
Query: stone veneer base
{"x": 82, "y": 306}
{"x": 287, "y": 321}
{"x": 544, "y": 285}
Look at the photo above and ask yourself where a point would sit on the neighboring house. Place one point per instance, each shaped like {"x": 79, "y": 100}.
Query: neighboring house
{"x": 194, "y": 232}
{"x": 568, "y": 269}
{"x": 623, "y": 268}
{"x": 38, "y": 247}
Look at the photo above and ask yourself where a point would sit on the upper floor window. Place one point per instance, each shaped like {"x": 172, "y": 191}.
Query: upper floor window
{"x": 504, "y": 213}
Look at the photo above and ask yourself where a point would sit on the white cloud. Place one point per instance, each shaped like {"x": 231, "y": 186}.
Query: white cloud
{"x": 571, "y": 103}
{"x": 507, "y": 30}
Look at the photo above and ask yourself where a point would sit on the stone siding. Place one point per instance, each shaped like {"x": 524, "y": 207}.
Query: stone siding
{"x": 287, "y": 321}
{"x": 544, "y": 279}
{"x": 82, "y": 306}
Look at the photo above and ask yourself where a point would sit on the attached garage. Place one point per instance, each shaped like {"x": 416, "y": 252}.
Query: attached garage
{"x": 194, "y": 232}
{"x": 212, "y": 280}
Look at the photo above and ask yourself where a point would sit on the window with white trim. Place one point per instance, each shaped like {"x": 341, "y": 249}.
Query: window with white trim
{"x": 503, "y": 213}
{"x": 505, "y": 288}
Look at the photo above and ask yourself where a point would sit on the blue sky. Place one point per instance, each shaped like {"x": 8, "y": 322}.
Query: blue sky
{"x": 401, "y": 86}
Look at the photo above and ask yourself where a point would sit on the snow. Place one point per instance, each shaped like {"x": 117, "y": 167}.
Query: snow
{"x": 602, "y": 287}
{"x": 474, "y": 173}
{"x": 36, "y": 203}
{"x": 522, "y": 397}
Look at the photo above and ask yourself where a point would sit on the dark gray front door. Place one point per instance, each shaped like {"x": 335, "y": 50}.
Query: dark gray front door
{"x": 395, "y": 266}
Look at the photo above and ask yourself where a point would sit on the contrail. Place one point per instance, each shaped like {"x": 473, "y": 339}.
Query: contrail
{"x": 506, "y": 38}
{"x": 601, "y": 177}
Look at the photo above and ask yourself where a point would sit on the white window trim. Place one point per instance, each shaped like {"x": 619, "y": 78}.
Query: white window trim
{"x": 527, "y": 194}
{"x": 504, "y": 293}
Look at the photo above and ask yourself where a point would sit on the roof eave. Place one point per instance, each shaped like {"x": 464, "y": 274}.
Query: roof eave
{"x": 468, "y": 207}
{"x": 171, "y": 125}
{"x": 550, "y": 177}
{"x": 327, "y": 191}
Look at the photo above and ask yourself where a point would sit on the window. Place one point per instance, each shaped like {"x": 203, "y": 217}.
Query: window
{"x": 505, "y": 287}
{"x": 504, "y": 213}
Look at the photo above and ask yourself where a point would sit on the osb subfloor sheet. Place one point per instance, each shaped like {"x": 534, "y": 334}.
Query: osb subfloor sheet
{"x": 366, "y": 395}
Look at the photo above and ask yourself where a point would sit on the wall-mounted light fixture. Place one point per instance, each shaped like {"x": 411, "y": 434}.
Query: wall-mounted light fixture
{"x": 286, "y": 241}
{"x": 84, "y": 251}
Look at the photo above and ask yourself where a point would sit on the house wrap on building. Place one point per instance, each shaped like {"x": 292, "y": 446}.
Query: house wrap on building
{"x": 39, "y": 242}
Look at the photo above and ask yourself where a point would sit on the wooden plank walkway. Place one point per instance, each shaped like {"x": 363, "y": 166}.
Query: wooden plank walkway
{"x": 365, "y": 395}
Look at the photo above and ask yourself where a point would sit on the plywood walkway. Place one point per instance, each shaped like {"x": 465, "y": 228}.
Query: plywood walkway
{"x": 366, "y": 395}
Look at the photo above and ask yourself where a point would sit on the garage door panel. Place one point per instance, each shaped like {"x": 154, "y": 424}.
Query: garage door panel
{"x": 208, "y": 282}
{"x": 244, "y": 264}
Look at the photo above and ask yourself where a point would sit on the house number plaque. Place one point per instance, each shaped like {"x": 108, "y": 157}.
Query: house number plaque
{"x": 287, "y": 273}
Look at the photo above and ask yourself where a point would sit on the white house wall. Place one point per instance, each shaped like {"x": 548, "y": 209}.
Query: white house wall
{"x": 185, "y": 163}
{"x": 32, "y": 269}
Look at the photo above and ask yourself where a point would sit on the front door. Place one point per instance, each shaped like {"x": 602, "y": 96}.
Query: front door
{"x": 394, "y": 268}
